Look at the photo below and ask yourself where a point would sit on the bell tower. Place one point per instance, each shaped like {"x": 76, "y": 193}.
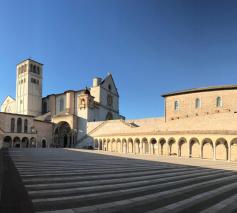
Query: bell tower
{"x": 29, "y": 87}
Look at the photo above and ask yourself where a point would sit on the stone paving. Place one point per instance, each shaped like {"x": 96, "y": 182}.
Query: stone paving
{"x": 73, "y": 181}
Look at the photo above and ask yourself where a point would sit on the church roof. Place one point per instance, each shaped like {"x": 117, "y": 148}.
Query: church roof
{"x": 29, "y": 59}
{"x": 201, "y": 89}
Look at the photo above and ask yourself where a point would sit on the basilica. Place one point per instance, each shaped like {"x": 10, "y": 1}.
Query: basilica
{"x": 197, "y": 123}
{"x": 57, "y": 120}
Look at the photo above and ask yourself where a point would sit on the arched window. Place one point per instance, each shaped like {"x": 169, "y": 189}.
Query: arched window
{"x": 13, "y": 125}
{"x": 19, "y": 125}
{"x": 109, "y": 87}
{"x": 197, "y": 103}
{"x": 218, "y": 102}
{"x": 61, "y": 105}
{"x": 109, "y": 116}
{"x": 176, "y": 105}
{"x": 25, "y": 126}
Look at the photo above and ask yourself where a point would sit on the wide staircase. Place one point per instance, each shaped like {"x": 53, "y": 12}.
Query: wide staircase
{"x": 67, "y": 181}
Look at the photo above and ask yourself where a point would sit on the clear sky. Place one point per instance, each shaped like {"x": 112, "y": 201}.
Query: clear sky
{"x": 150, "y": 46}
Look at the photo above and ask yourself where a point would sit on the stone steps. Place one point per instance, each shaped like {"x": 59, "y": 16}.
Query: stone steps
{"x": 112, "y": 186}
{"x": 101, "y": 176}
{"x": 104, "y": 182}
{"x": 96, "y": 183}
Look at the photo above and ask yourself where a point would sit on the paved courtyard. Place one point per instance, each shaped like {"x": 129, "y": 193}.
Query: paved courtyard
{"x": 71, "y": 181}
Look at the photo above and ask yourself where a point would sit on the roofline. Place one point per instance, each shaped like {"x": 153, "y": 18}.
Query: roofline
{"x": 62, "y": 93}
{"x": 16, "y": 114}
{"x": 29, "y": 59}
{"x": 202, "y": 89}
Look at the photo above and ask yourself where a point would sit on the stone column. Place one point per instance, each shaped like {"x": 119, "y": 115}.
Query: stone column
{"x": 167, "y": 148}
{"x": 201, "y": 151}
{"x": 214, "y": 151}
{"x": 229, "y": 153}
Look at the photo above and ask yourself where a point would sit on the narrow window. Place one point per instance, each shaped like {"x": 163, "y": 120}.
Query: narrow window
{"x": 218, "y": 102}
{"x": 176, "y": 105}
{"x": 197, "y": 103}
{"x": 61, "y": 105}
{"x": 13, "y": 125}
{"x": 19, "y": 125}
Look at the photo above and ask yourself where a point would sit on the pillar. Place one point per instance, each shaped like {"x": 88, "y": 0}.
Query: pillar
{"x": 229, "y": 153}
{"x": 214, "y": 151}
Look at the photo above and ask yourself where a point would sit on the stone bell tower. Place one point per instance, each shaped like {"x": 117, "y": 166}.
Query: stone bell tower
{"x": 29, "y": 88}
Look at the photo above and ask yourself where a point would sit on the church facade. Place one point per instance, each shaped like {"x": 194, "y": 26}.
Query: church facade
{"x": 57, "y": 120}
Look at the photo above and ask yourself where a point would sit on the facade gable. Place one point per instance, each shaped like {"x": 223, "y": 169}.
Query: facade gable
{"x": 8, "y": 105}
{"x": 109, "y": 84}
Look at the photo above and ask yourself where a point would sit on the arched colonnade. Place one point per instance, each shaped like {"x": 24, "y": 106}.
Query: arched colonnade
{"x": 216, "y": 148}
{"x": 23, "y": 142}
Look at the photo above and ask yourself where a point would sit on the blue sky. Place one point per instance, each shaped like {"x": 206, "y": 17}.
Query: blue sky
{"x": 150, "y": 46}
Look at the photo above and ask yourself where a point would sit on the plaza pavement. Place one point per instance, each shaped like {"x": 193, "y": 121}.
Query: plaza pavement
{"x": 73, "y": 181}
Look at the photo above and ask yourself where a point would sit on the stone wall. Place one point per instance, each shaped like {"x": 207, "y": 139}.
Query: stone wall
{"x": 208, "y": 104}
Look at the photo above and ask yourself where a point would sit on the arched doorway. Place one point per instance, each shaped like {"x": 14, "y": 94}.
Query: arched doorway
{"x": 221, "y": 149}
{"x": 113, "y": 145}
{"x": 130, "y": 145}
{"x": 124, "y": 146}
{"x": 163, "y": 149}
{"x": 194, "y": 148}
{"x": 33, "y": 142}
{"x": 104, "y": 145}
{"x": 96, "y": 144}
{"x": 118, "y": 145}
{"x": 154, "y": 148}
{"x": 207, "y": 149}
{"x": 109, "y": 145}
{"x": 145, "y": 146}
{"x": 44, "y": 143}
{"x": 183, "y": 148}
{"x": 137, "y": 146}
{"x": 172, "y": 148}
{"x": 7, "y": 142}
{"x": 100, "y": 145}
{"x": 25, "y": 142}
{"x": 63, "y": 135}
{"x": 17, "y": 142}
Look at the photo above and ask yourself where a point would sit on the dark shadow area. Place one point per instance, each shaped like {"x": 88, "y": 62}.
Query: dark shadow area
{"x": 14, "y": 197}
